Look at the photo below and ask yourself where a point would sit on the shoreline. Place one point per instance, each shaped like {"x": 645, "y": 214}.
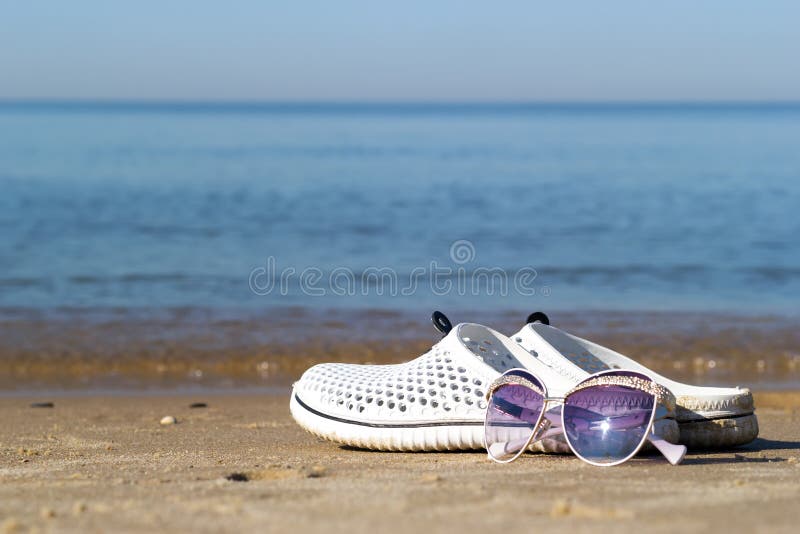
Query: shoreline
{"x": 208, "y": 350}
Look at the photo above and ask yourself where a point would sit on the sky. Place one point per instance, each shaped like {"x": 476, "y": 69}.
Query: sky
{"x": 432, "y": 50}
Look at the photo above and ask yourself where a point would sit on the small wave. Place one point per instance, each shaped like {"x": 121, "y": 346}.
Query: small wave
{"x": 165, "y": 230}
{"x": 774, "y": 274}
{"x": 24, "y": 282}
{"x": 128, "y": 278}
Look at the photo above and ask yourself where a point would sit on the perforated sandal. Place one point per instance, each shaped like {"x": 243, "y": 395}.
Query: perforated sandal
{"x": 708, "y": 417}
{"x": 434, "y": 402}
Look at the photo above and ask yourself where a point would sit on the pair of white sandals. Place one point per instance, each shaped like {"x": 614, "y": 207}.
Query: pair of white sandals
{"x": 437, "y": 401}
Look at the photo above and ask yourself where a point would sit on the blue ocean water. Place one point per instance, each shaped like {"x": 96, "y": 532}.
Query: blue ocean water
{"x": 150, "y": 205}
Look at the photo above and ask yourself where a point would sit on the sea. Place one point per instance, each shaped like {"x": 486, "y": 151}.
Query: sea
{"x": 400, "y": 206}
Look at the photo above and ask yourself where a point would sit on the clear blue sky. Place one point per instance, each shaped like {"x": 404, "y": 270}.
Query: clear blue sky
{"x": 409, "y": 50}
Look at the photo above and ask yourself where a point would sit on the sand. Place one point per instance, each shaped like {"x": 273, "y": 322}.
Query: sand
{"x": 105, "y": 463}
{"x": 241, "y": 463}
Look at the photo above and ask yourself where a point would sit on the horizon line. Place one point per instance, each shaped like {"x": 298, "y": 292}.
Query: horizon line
{"x": 393, "y": 108}
{"x": 384, "y": 102}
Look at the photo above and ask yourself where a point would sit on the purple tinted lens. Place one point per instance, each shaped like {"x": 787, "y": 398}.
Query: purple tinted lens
{"x": 606, "y": 424}
{"x": 511, "y": 418}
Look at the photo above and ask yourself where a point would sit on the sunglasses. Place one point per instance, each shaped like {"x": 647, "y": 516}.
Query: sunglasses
{"x": 606, "y": 419}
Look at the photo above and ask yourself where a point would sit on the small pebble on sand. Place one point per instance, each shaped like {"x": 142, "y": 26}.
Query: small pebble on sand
{"x": 560, "y": 508}
{"x": 79, "y": 508}
{"x": 47, "y": 513}
{"x": 317, "y": 471}
{"x": 198, "y": 405}
{"x": 168, "y": 420}
{"x": 42, "y": 405}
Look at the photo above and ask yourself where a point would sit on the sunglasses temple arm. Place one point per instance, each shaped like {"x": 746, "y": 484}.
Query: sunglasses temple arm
{"x": 673, "y": 453}
{"x": 506, "y": 446}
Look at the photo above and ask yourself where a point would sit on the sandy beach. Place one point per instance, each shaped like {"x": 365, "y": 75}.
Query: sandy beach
{"x": 107, "y": 464}
{"x": 98, "y": 459}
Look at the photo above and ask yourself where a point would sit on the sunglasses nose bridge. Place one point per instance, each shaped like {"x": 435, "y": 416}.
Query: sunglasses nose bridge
{"x": 549, "y": 413}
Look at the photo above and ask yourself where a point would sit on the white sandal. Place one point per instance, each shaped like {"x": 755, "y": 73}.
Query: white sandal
{"x": 434, "y": 402}
{"x": 708, "y": 417}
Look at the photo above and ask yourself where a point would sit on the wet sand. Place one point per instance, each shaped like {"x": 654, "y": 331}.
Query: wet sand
{"x": 126, "y": 348}
{"x": 241, "y": 463}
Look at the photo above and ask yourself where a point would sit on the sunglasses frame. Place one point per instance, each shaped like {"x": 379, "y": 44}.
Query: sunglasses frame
{"x": 662, "y": 396}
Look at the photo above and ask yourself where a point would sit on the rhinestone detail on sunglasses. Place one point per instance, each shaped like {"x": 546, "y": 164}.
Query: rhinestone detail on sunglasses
{"x": 662, "y": 394}
{"x": 513, "y": 379}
